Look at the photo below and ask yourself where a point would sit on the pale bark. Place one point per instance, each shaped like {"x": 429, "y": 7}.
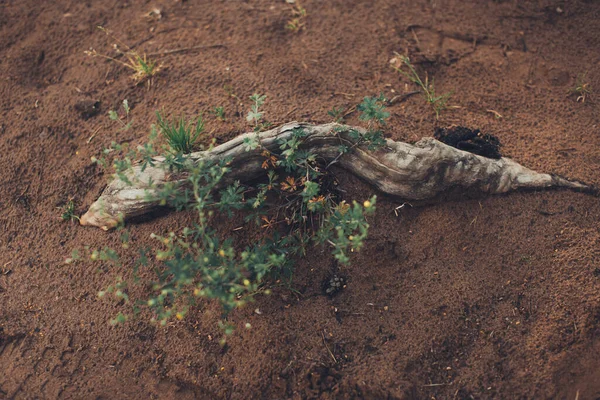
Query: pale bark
{"x": 409, "y": 171}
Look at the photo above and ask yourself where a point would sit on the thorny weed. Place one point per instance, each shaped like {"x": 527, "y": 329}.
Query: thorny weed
{"x": 438, "y": 102}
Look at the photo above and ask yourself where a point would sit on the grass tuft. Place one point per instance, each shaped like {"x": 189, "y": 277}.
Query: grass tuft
{"x": 181, "y": 136}
{"x": 143, "y": 68}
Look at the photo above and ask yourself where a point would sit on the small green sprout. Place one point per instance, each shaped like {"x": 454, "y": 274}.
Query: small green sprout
{"x": 337, "y": 114}
{"x": 124, "y": 121}
{"x": 298, "y": 20}
{"x": 68, "y": 211}
{"x": 373, "y": 109}
{"x": 254, "y": 115}
{"x": 219, "y": 112}
{"x": 439, "y": 103}
{"x": 582, "y": 88}
{"x": 181, "y": 136}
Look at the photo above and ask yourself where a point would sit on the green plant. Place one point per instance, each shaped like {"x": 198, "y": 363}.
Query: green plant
{"x": 438, "y": 102}
{"x": 582, "y": 88}
{"x": 143, "y": 68}
{"x": 337, "y": 114}
{"x": 255, "y": 117}
{"x": 298, "y": 20}
{"x": 295, "y": 206}
{"x": 125, "y": 122}
{"x": 373, "y": 112}
{"x": 68, "y": 211}
{"x": 219, "y": 112}
{"x": 181, "y": 136}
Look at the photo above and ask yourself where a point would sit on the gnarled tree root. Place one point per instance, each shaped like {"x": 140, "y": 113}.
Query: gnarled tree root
{"x": 411, "y": 172}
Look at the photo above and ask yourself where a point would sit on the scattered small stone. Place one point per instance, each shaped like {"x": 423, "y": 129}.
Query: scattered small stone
{"x": 334, "y": 285}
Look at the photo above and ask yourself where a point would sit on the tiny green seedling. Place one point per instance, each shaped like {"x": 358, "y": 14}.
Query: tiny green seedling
{"x": 439, "y": 103}
{"x": 373, "y": 110}
{"x": 68, "y": 211}
{"x": 298, "y": 20}
{"x": 337, "y": 114}
{"x": 124, "y": 121}
{"x": 144, "y": 69}
{"x": 219, "y": 112}
{"x": 582, "y": 88}
{"x": 230, "y": 92}
{"x": 255, "y": 117}
{"x": 181, "y": 136}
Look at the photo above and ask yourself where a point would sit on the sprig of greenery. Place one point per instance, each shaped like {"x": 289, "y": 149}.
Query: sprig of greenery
{"x": 373, "y": 110}
{"x": 438, "y": 102}
{"x": 219, "y": 112}
{"x": 255, "y": 117}
{"x": 124, "y": 121}
{"x": 143, "y": 68}
{"x": 337, "y": 114}
{"x": 298, "y": 20}
{"x": 68, "y": 211}
{"x": 582, "y": 88}
{"x": 180, "y": 135}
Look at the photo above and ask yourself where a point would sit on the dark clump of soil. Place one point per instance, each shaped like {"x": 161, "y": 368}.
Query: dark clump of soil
{"x": 87, "y": 108}
{"x": 471, "y": 140}
{"x": 492, "y": 297}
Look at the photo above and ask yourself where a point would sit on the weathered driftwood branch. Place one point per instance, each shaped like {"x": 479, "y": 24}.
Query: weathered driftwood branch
{"x": 412, "y": 172}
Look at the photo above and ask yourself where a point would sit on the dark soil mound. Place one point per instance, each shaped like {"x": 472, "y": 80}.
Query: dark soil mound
{"x": 471, "y": 140}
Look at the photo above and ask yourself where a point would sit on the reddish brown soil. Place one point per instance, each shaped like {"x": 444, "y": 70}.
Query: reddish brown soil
{"x": 466, "y": 297}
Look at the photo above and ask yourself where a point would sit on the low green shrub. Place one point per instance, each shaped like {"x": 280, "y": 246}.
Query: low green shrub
{"x": 294, "y": 207}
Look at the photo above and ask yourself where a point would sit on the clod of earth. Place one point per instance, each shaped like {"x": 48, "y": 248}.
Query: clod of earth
{"x": 410, "y": 171}
{"x": 87, "y": 108}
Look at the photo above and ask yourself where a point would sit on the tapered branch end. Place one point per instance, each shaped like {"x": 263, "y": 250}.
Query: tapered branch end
{"x": 559, "y": 181}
